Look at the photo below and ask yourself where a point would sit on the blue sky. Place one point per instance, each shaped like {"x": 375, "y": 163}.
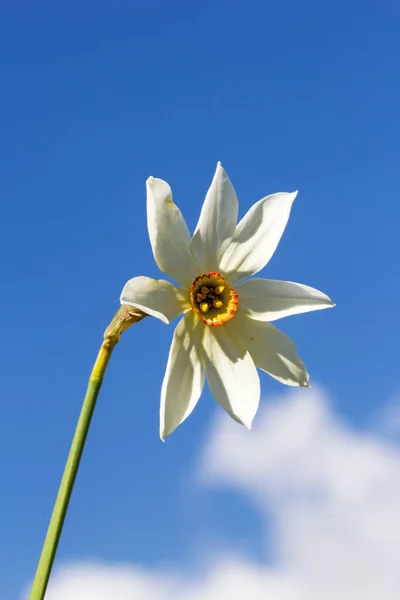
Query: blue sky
{"x": 97, "y": 96}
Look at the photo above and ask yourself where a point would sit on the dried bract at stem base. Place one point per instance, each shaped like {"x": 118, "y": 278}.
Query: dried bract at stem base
{"x": 124, "y": 317}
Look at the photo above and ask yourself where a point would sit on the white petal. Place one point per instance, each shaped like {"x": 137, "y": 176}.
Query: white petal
{"x": 169, "y": 234}
{"x": 217, "y": 222}
{"x": 184, "y": 376}
{"x": 156, "y": 297}
{"x": 271, "y": 350}
{"x": 268, "y": 300}
{"x": 231, "y": 374}
{"x": 256, "y": 237}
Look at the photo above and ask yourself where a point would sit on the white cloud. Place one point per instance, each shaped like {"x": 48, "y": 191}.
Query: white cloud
{"x": 333, "y": 494}
{"x": 229, "y": 578}
{"x": 388, "y": 419}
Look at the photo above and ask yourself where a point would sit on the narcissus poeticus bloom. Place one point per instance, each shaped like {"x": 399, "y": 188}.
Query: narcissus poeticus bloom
{"x": 226, "y": 329}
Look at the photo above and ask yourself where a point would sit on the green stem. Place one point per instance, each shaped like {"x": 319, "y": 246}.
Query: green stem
{"x": 125, "y": 317}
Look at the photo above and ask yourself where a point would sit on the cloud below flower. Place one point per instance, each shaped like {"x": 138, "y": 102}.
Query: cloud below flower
{"x": 332, "y": 494}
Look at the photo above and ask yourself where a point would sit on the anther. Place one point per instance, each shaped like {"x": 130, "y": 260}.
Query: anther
{"x": 217, "y": 303}
{"x": 205, "y": 290}
{"x": 219, "y": 289}
{"x": 204, "y": 307}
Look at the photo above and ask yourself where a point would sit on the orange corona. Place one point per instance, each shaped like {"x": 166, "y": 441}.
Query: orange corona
{"x": 213, "y": 299}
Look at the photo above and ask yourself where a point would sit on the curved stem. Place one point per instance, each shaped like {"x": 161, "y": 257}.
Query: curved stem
{"x": 125, "y": 317}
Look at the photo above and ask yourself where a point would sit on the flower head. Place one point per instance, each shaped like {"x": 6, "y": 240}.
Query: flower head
{"x": 226, "y": 330}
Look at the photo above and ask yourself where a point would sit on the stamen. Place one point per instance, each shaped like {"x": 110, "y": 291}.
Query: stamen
{"x": 217, "y": 303}
{"x": 219, "y": 289}
{"x": 204, "y": 307}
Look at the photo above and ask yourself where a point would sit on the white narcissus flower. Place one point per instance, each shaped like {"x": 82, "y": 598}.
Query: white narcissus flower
{"x": 226, "y": 331}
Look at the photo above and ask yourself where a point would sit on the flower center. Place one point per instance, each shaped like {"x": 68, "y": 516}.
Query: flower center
{"x": 213, "y": 299}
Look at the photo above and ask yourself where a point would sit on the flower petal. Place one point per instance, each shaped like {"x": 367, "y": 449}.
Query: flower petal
{"x": 271, "y": 350}
{"x": 169, "y": 234}
{"x": 184, "y": 376}
{"x": 268, "y": 300}
{"x": 231, "y": 374}
{"x": 156, "y": 297}
{"x": 256, "y": 237}
{"x": 217, "y": 222}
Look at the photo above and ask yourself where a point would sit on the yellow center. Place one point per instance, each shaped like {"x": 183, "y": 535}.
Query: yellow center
{"x": 213, "y": 299}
